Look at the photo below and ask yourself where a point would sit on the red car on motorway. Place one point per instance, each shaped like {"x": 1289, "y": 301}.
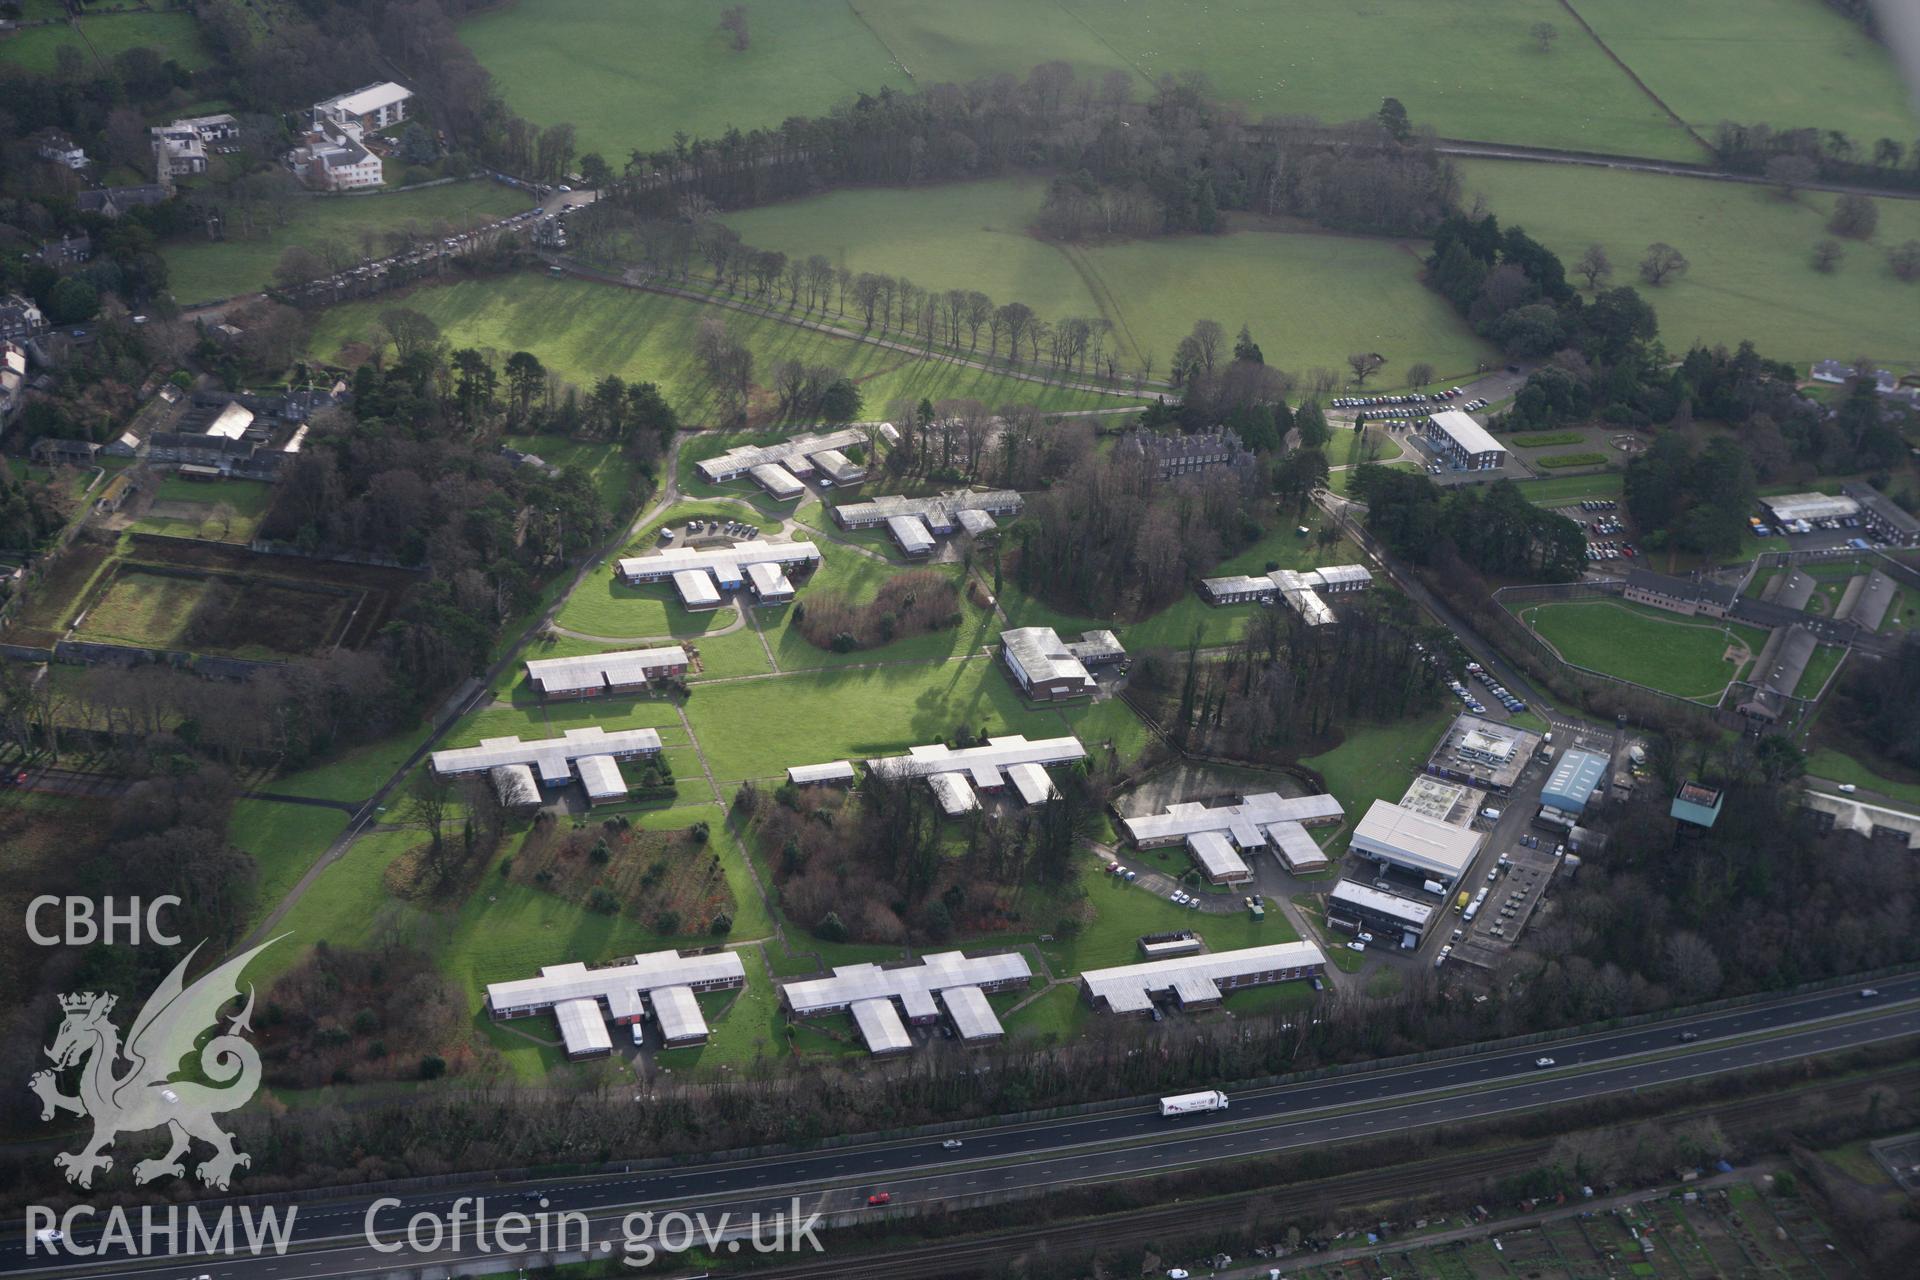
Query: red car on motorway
{"x": 880, "y": 1197}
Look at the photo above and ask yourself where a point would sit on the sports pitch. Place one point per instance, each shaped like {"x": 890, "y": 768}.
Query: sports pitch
{"x": 1688, "y": 657}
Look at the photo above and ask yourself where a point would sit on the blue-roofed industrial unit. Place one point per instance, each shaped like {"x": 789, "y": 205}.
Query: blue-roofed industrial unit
{"x": 1573, "y": 781}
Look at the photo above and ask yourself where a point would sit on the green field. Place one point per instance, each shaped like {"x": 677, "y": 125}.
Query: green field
{"x": 1558, "y": 491}
{"x": 1750, "y": 276}
{"x": 284, "y": 839}
{"x": 1681, "y": 656}
{"x": 140, "y": 608}
{"x": 1787, "y": 63}
{"x": 631, "y": 76}
{"x": 174, "y": 35}
{"x": 202, "y": 269}
{"x": 974, "y": 236}
{"x": 191, "y": 509}
{"x": 585, "y": 331}
{"x": 1562, "y": 461}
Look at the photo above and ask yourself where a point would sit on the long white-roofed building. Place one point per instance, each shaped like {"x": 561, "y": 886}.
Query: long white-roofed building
{"x": 584, "y": 999}
{"x": 911, "y": 535}
{"x": 1464, "y": 443}
{"x": 941, "y": 513}
{"x": 796, "y": 456}
{"x": 1398, "y": 837}
{"x": 592, "y": 751}
{"x": 701, "y": 574}
{"x": 1197, "y": 981}
{"x": 594, "y": 674}
{"x": 880, "y": 996}
{"x": 1267, "y": 820}
{"x": 781, "y": 484}
{"x": 956, "y": 773}
{"x": 1303, "y": 591}
{"x": 803, "y": 775}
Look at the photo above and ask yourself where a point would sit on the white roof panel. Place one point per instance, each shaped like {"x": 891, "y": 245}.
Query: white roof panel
{"x": 1126, "y": 988}
{"x": 1404, "y": 837}
{"x": 944, "y": 508}
{"x": 880, "y": 1026}
{"x": 598, "y": 670}
{"x": 1465, "y": 432}
{"x": 1032, "y": 782}
{"x": 832, "y": 771}
{"x": 777, "y": 480}
{"x": 677, "y": 1010}
{"x": 1296, "y": 848}
{"x": 1242, "y": 820}
{"x": 972, "y": 1015}
{"x": 600, "y": 775}
{"x": 696, "y": 587}
{"x": 675, "y": 560}
{"x": 744, "y": 458}
{"x": 1216, "y": 857}
{"x": 582, "y": 1028}
{"x": 953, "y": 793}
{"x": 911, "y": 533}
{"x": 559, "y": 983}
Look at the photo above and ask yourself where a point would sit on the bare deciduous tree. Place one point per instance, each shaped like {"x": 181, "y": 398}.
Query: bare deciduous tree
{"x": 1662, "y": 263}
{"x": 1593, "y": 266}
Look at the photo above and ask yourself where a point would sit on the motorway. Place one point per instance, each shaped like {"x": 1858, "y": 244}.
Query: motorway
{"x": 330, "y": 1238}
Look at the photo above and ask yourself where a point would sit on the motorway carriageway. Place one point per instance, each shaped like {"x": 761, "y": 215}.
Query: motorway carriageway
{"x": 1114, "y": 1144}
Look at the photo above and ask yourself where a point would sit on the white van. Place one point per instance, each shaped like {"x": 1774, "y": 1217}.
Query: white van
{"x": 1490, "y": 814}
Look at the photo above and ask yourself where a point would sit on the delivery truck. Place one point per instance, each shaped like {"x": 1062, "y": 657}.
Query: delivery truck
{"x": 1183, "y": 1104}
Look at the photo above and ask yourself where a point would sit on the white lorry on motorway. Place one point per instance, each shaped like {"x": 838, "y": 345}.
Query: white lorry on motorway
{"x": 1183, "y": 1104}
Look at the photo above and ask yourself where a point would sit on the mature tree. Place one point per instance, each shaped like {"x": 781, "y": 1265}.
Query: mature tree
{"x": 1544, "y": 34}
{"x": 410, "y": 331}
{"x": 298, "y": 265}
{"x": 1662, "y": 263}
{"x": 72, "y": 300}
{"x": 1364, "y": 365}
{"x": 1311, "y": 423}
{"x": 1393, "y": 118}
{"x": 1826, "y": 256}
{"x": 1789, "y": 173}
{"x": 1419, "y": 374}
{"x": 417, "y": 145}
{"x": 1207, "y": 336}
{"x": 1246, "y": 350}
{"x": 1904, "y": 260}
{"x": 1854, "y": 216}
{"x": 1593, "y": 266}
{"x": 429, "y": 804}
{"x": 733, "y": 21}
{"x": 595, "y": 172}
{"x": 1887, "y": 153}
{"x": 526, "y": 376}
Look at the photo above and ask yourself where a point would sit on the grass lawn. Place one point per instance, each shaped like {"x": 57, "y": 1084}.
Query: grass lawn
{"x": 1559, "y": 491}
{"x": 174, "y": 36}
{"x": 1662, "y": 651}
{"x": 142, "y": 609}
{"x": 1750, "y": 276}
{"x": 1784, "y": 62}
{"x": 612, "y": 471}
{"x": 346, "y": 905}
{"x": 354, "y": 775}
{"x": 756, "y": 728}
{"x": 203, "y": 269}
{"x": 1562, "y": 461}
{"x": 629, "y": 77}
{"x": 746, "y": 1024}
{"x": 1544, "y": 439}
{"x": 974, "y": 235}
{"x": 606, "y": 606}
{"x": 1376, "y": 762}
{"x": 1831, "y": 762}
{"x": 191, "y": 509}
{"x": 1825, "y": 658}
{"x": 284, "y": 839}
{"x": 584, "y": 331}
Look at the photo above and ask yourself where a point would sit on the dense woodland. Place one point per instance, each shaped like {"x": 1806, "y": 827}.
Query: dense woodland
{"x": 1492, "y": 528}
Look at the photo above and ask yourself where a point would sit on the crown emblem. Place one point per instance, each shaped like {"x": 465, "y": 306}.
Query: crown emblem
{"x": 82, "y": 1001}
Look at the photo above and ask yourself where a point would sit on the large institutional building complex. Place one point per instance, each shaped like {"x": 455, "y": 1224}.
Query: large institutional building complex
{"x": 1302, "y": 590}
{"x": 957, "y": 774}
{"x": 762, "y": 566}
{"x": 1049, "y": 669}
{"x": 1220, "y": 837}
{"x": 582, "y": 1000}
{"x": 878, "y": 995}
{"x": 1197, "y": 981}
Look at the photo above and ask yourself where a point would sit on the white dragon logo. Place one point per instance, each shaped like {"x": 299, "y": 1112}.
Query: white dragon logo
{"x": 146, "y": 1096}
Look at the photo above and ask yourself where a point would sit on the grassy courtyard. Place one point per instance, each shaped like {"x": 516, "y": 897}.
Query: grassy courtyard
{"x": 1681, "y": 656}
{"x": 974, "y": 235}
{"x": 585, "y": 331}
{"x": 100, "y": 36}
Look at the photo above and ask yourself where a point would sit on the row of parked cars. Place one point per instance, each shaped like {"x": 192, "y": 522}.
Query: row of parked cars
{"x": 1508, "y": 699}
{"x": 1415, "y": 397}
{"x": 1599, "y": 504}
{"x": 374, "y": 268}
{"x": 1610, "y": 550}
{"x": 739, "y": 530}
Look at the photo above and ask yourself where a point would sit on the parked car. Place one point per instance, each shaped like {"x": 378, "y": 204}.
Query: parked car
{"x": 1848, "y": 788}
